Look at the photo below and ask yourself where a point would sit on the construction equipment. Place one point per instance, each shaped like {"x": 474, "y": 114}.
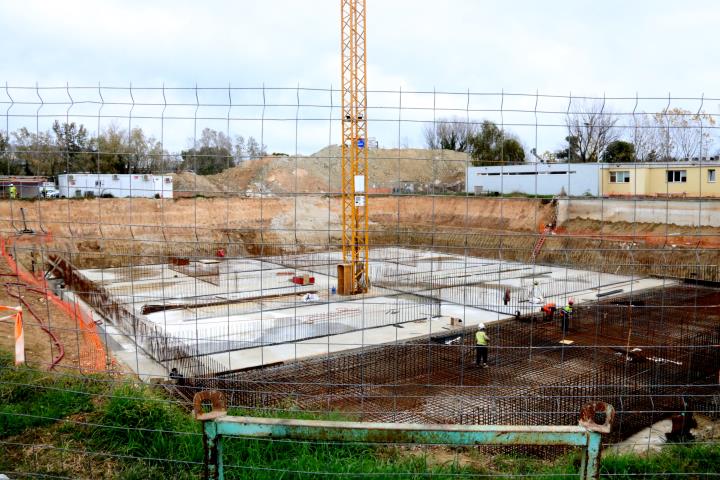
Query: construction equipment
{"x": 303, "y": 279}
{"x": 25, "y": 229}
{"x": 548, "y": 230}
{"x": 353, "y": 271}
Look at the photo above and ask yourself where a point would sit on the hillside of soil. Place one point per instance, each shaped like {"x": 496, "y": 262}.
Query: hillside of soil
{"x": 321, "y": 172}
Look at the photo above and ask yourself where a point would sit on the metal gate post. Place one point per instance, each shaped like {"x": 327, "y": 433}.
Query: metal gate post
{"x": 211, "y": 440}
{"x": 213, "y": 451}
{"x": 591, "y": 456}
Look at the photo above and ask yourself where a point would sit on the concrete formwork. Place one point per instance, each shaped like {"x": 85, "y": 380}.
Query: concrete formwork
{"x": 245, "y": 312}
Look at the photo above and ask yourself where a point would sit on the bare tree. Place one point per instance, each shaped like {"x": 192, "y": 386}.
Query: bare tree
{"x": 645, "y": 135}
{"x": 672, "y": 134}
{"x": 591, "y": 127}
{"x": 450, "y": 134}
{"x": 684, "y": 135}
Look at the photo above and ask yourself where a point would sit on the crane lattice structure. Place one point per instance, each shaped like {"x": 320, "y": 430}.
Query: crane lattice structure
{"x": 353, "y": 272}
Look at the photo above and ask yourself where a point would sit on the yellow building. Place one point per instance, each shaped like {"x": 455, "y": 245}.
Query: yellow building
{"x": 675, "y": 179}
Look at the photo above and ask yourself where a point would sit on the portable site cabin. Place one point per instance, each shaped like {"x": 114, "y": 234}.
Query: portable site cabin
{"x": 574, "y": 179}
{"x": 115, "y": 185}
{"x": 690, "y": 179}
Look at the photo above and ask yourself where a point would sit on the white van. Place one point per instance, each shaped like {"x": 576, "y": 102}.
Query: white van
{"x": 49, "y": 190}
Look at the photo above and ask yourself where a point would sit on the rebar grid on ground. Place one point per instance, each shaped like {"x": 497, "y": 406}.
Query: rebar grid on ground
{"x": 643, "y": 353}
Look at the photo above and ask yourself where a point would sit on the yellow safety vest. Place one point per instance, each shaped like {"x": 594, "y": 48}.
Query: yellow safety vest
{"x": 481, "y": 338}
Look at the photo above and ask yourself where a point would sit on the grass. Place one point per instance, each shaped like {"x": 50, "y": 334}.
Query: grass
{"x": 29, "y": 398}
{"x": 681, "y": 459}
{"x": 135, "y": 432}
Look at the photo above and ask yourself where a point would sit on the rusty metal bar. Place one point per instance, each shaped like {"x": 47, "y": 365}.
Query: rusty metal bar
{"x": 217, "y": 424}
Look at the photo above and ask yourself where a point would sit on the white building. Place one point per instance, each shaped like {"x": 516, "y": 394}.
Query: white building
{"x": 575, "y": 179}
{"x": 117, "y": 185}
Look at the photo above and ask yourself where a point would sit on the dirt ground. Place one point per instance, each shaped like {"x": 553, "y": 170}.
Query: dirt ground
{"x": 40, "y": 350}
{"x": 648, "y": 233}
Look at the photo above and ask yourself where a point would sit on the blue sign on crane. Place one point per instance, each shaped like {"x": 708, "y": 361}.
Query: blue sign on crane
{"x": 361, "y": 142}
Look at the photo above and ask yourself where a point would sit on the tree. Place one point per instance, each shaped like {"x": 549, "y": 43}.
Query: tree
{"x": 645, "y": 138}
{"x": 239, "y": 149}
{"x": 683, "y": 135}
{"x": 619, "y": 151}
{"x": 120, "y": 152}
{"x": 212, "y": 153}
{"x": 37, "y": 153}
{"x": 75, "y": 146}
{"x": 159, "y": 159}
{"x": 254, "y": 149}
{"x": 7, "y": 164}
{"x": 591, "y": 128}
{"x": 450, "y": 134}
{"x": 492, "y": 146}
{"x": 113, "y": 153}
{"x": 571, "y": 153}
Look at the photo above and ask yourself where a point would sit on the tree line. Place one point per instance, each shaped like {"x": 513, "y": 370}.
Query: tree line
{"x": 594, "y": 134}
{"x": 486, "y": 143}
{"x": 68, "y": 147}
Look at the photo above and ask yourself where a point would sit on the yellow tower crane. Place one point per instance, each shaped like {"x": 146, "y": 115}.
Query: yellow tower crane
{"x": 353, "y": 275}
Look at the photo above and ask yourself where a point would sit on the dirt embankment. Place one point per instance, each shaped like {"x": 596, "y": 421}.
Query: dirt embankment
{"x": 652, "y": 234}
{"x": 115, "y": 232}
{"x": 196, "y": 226}
{"x": 321, "y": 172}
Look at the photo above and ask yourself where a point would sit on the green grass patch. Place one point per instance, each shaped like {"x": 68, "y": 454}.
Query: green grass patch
{"x": 140, "y": 422}
{"x": 30, "y": 398}
{"x": 682, "y": 459}
{"x": 131, "y": 420}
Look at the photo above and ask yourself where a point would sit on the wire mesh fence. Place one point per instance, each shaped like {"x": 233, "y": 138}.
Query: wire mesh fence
{"x": 165, "y": 241}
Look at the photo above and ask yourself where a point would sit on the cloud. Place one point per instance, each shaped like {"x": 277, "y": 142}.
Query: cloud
{"x": 616, "y": 48}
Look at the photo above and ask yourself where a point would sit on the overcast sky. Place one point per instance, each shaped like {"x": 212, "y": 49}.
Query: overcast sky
{"x": 612, "y": 48}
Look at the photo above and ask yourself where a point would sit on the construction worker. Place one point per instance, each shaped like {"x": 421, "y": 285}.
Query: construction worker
{"x": 13, "y": 191}
{"x": 177, "y": 377}
{"x": 536, "y": 296}
{"x": 481, "y": 346}
{"x": 506, "y": 296}
{"x": 565, "y": 314}
{"x": 548, "y": 311}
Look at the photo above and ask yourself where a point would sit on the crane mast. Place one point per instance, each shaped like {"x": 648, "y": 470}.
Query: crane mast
{"x": 353, "y": 275}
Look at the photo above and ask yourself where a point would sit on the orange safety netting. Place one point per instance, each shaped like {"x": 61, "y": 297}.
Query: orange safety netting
{"x": 93, "y": 356}
{"x": 16, "y": 315}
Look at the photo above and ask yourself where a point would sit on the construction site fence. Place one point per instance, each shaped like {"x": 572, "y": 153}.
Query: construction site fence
{"x": 92, "y": 352}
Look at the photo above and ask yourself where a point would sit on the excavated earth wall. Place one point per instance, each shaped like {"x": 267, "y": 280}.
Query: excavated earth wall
{"x": 114, "y": 232}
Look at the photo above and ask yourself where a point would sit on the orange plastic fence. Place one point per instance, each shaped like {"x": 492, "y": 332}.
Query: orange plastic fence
{"x": 93, "y": 355}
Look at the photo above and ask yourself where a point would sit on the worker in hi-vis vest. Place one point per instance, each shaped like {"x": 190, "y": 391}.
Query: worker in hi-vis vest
{"x": 481, "y": 346}
{"x": 13, "y": 191}
{"x": 565, "y": 314}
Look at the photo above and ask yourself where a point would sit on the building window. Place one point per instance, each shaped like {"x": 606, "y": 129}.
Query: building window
{"x": 620, "y": 177}
{"x": 677, "y": 176}
{"x": 711, "y": 176}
